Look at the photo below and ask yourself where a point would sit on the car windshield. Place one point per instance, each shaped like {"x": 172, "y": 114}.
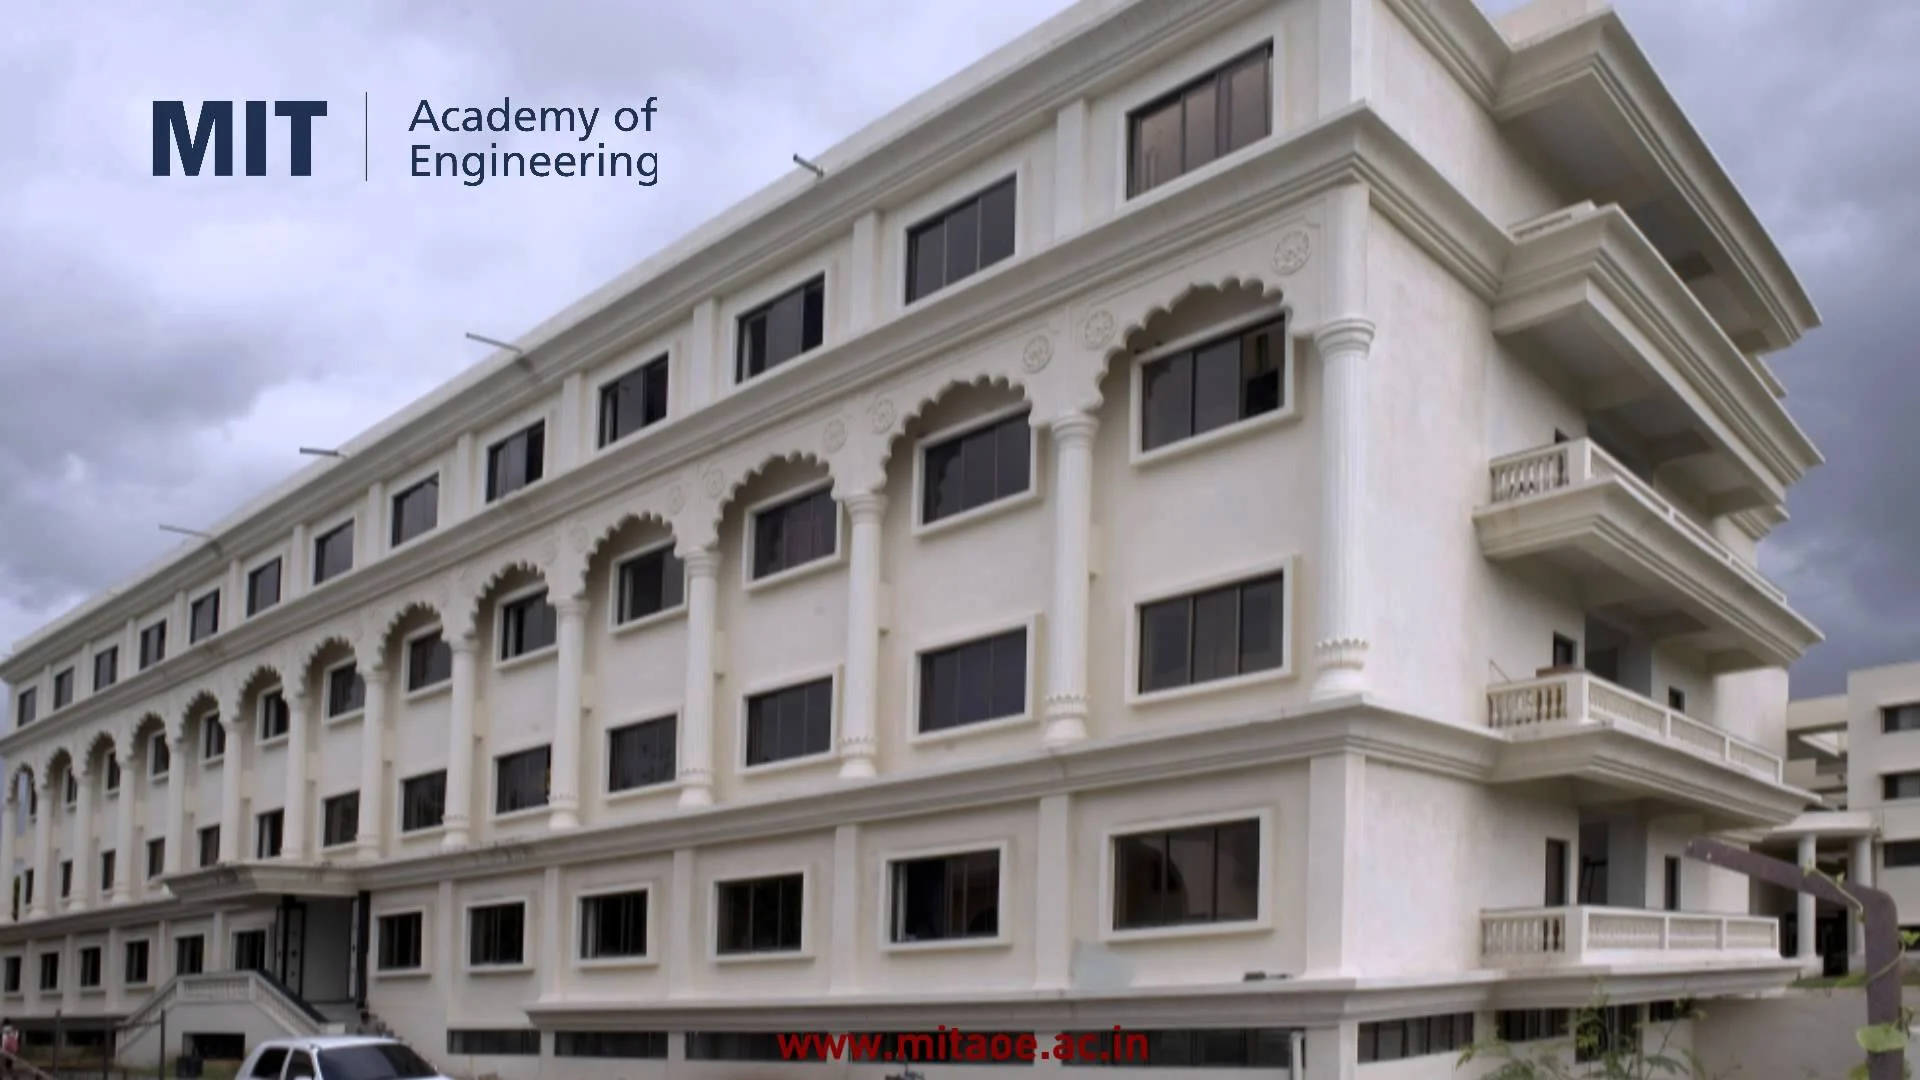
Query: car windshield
{"x": 373, "y": 1061}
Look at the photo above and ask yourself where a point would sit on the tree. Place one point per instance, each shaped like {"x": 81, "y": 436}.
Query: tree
{"x": 1596, "y": 1049}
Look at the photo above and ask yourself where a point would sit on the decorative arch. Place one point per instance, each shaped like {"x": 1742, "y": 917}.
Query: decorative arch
{"x": 587, "y": 537}
{"x": 96, "y": 743}
{"x": 481, "y": 589}
{"x": 310, "y": 655}
{"x": 381, "y": 641}
{"x": 24, "y": 768}
{"x": 136, "y": 733}
{"x": 722, "y": 481}
{"x": 257, "y": 677}
{"x": 1169, "y": 305}
{"x": 989, "y": 381}
{"x": 58, "y": 759}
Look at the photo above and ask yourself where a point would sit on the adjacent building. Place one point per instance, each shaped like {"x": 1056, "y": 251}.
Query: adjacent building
{"x": 1231, "y": 519}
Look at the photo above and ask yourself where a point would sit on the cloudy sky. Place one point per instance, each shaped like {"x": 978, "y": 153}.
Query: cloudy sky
{"x": 166, "y": 345}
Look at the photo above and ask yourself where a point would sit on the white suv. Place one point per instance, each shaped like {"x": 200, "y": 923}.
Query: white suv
{"x": 335, "y": 1057}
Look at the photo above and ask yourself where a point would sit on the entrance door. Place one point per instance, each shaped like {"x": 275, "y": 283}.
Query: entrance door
{"x": 290, "y": 928}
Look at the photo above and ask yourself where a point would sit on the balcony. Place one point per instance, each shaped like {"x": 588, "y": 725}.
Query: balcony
{"x": 1574, "y": 512}
{"x": 1590, "y": 935}
{"x": 1620, "y": 747}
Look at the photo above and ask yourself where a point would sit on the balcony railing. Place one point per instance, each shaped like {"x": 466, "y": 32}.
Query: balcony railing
{"x": 1556, "y": 704}
{"x": 1586, "y": 934}
{"x": 1578, "y": 462}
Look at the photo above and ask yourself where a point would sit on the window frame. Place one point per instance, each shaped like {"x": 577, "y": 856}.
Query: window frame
{"x": 489, "y": 496}
{"x": 98, "y": 954}
{"x": 201, "y": 835}
{"x": 154, "y": 771}
{"x": 1030, "y": 714}
{"x": 110, "y": 654}
{"x": 602, "y": 440}
{"x": 806, "y": 949}
{"x": 410, "y": 692}
{"x": 1173, "y": 82}
{"x": 788, "y": 682}
{"x": 500, "y": 606}
{"x": 1288, "y": 566}
{"x": 416, "y": 481}
{"x": 261, "y": 740}
{"x": 1886, "y": 786}
{"x": 940, "y": 212}
{"x": 1263, "y": 891}
{"x": 193, "y": 605}
{"x": 750, "y": 518}
{"x": 1888, "y": 713}
{"x": 346, "y": 524}
{"x": 493, "y": 784}
{"x": 159, "y": 640}
{"x": 278, "y": 817}
{"x": 326, "y": 693}
{"x": 649, "y": 958}
{"x": 155, "y": 868}
{"x": 325, "y": 800}
{"x": 528, "y": 940}
{"x": 72, "y": 679}
{"x": 1002, "y": 938}
{"x": 959, "y": 429}
{"x": 214, "y": 718}
{"x": 762, "y": 300}
{"x": 26, "y": 706}
{"x": 1288, "y": 412}
{"x": 400, "y": 805}
{"x": 424, "y": 968}
{"x": 635, "y": 718}
{"x": 615, "y": 594}
{"x": 279, "y": 564}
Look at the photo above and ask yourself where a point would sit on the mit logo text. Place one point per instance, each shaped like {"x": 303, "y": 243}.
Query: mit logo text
{"x": 214, "y": 130}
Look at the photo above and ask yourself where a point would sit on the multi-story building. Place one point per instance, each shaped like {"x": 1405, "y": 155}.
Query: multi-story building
{"x": 1232, "y": 519}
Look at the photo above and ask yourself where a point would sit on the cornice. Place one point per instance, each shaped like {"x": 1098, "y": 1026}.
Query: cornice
{"x": 1463, "y": 39}
{"x": 1354, "y": 146}
{"x": 772, "y": 227}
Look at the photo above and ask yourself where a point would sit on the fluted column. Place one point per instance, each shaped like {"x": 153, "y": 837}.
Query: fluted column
{"x": 460, "y": 744}
{"x": 174, "y": 857}
{"x": 230, "y": 782}
{"x": 8, "y": 821}
{"x": 83, "y": 850}
{"x": 696, "y": 710}
{"x": 43, "y": 845}
{"x": 293, "y": 838}
{"x": 133, "y": 778}
{"x": 373, "y": 757}
{"x": 1341, "y": 651}
{"x": 1066, "y": 705}
{"x": 860, "y": 696}
{"x": 563, "y": 794}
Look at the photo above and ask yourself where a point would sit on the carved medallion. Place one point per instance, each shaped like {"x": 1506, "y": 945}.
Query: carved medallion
{"x": 1098, "y": 329}
{"x": 1292, "y": 252}
{"x": 1039, "y": 353}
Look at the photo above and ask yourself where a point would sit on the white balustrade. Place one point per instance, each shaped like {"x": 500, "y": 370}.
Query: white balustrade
{"x": 1586, "y": 933}
{"x": 1558, "y": 704}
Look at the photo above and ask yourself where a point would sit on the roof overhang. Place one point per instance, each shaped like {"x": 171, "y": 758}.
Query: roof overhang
{"x": 245, "y": 881}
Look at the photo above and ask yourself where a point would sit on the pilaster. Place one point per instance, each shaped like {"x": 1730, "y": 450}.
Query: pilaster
{"x": 860, "y": 695}
{"x": 1066, "y": 701}
{"x": 563, "y": 796}
{"x": 459, "y": 802}
{"x": 696, "y": 712}
{"x": 373, "y": 756}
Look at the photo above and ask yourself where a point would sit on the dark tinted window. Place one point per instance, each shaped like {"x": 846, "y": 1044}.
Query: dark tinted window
{"x": 520, "y": 780}
{"x": 781, "y": 329}
{"x": 373, "y": 1061}
{"x": 203, "y": 619}
{"x": 400, "y": 939}
{"x": 189, "y": 955}
{"x": 1900, "y": 718}
{"x": 516, "y": 461}
{"x": 135, "y": 963}
{"x": 496, "y": 934}
{"x": 741, "y": 1045}
{"x": 1214, "y": 115}
{"x": 946, "y": 897}
{"x": 213, "y": 738}
{"x": 498, "y": 1043}
{"x": 106, "y": 667}
{"x": 1904, "y": 785}
{"x": 633, "y": 401}
{"x": 429, "y": 661}
{"x": 209, "y": 845}
{"x": 610, "y": 1044}
{"x": 63, "y": 688}
{"x": 964, "y": 238}
{"x": 792, "y": 722}
{"x": 1414, "y": 1036}
{"x": 794, "y": 532}
{"x": 423, "y": 801}
{"x": 416, "y": 510}
{"x": 274, "y": 717}
{"x": 1222, "y": 382}
{"x": 1217, "y": 634}
{"x": 26, "y": 707}
{"x": 263, "y": 587}
{"x": 527, "y": 624}
{"x": 641, "y": 754}
{"x": 1198, "y": 874}
{"x": 346, "y": 690}
{"x": 250, "y": 950}
{"x": 1900, "y": 853}
{"x": 650, "y": 583}
{"x": 333, "y": 553}
{"x": 981, "y": 466}
{"x": 761, "y": 915}
{"x": 977, "y": 681}
{"x": 340, "y": 819}
{"x": 156, "y": 856}
{"x": 90, "y": 966}
{"x": 267, "y": 830}
{"x": 614, "y": 925}
{"x": 153, "y": 645}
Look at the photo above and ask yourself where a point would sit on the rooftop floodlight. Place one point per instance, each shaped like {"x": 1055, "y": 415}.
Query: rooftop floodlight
{"x": 817, "y": 171}
{"x": 519, "y": 354}
{"x": 320, "y": 451}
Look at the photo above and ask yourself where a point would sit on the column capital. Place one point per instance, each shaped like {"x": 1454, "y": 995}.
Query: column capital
{"x": 864, "y": 506}
{"x": 1351, "y": 334}
{"x": 373, "y": 665}
{"x": 463, "y": 643}
{"x": 1074, "y": 427}
{"x": 575, "y": 604}
{"x": 701, "y": 562}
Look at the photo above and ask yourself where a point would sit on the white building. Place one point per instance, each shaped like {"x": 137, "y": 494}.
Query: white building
{"x": 867, "y": 615}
